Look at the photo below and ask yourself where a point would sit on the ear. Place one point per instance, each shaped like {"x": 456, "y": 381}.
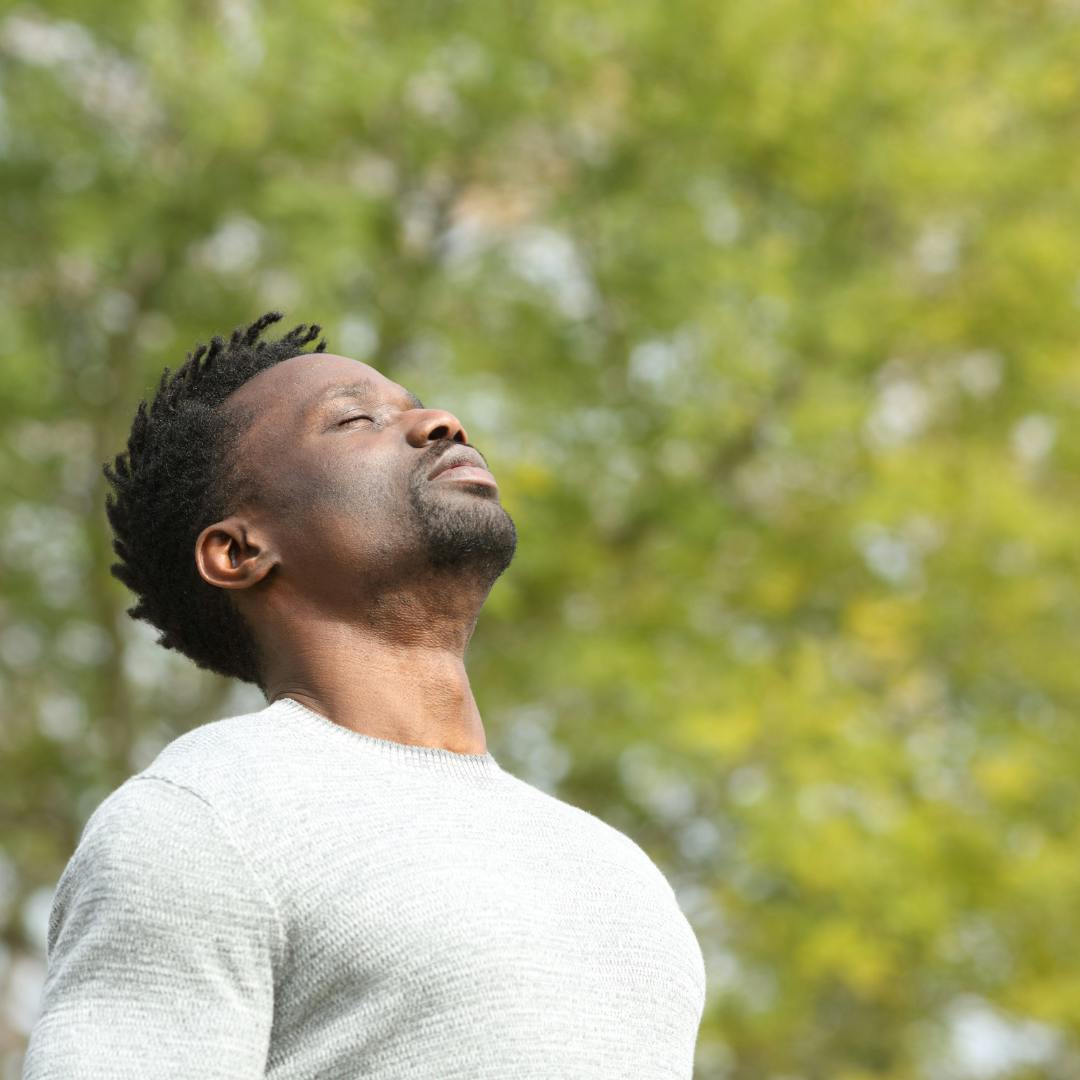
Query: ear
{"x": 231, "y": 555}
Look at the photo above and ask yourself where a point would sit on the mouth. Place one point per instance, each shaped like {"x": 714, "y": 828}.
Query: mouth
{"x": 472, "y": 474}
{"x": 463, "y": 464}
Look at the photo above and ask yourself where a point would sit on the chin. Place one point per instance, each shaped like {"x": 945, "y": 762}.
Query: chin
{"x": 475, "y": 535}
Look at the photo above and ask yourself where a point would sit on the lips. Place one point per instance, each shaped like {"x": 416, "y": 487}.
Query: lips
{"x": 462, "y": 464}
{"x": 467, "y": 472}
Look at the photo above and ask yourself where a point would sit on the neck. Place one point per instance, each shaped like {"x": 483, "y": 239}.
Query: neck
{"x": 399, "y": 675}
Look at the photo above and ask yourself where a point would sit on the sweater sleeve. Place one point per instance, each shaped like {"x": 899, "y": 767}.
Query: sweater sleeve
{"x": 161, "y": 948}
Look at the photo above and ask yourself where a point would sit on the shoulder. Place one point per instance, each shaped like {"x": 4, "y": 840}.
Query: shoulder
{"x": 213, "y": 741}
{"x": 181, "y": 787}
{"x": 151, "y": 841}
{"x": 147, "y": 816}
{"x": 209, "y": 760}
{"x": 156, "y": 844}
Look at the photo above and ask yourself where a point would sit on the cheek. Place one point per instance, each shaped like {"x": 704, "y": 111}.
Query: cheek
{"x": 353, "y": 488}
{"x": 341, "y": 504}
{"x": 350, "y": 496}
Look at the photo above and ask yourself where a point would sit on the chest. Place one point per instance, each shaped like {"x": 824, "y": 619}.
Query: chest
{"x": 533, "y": 900}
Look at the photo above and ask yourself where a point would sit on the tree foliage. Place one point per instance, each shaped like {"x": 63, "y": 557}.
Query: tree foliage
{"x": 766, "y": 317}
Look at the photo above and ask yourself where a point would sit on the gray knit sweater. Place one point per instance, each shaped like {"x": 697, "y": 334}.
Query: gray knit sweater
{"x": 278, "y": 896}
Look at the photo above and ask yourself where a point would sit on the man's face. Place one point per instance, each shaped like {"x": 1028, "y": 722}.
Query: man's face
{"x": 342, "y": 463}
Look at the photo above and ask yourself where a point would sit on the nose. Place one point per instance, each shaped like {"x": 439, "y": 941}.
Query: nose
{"x": 430, "y": 425}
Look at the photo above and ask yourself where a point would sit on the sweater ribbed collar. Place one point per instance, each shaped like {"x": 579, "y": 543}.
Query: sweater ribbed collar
{"x": 432, "y": 759}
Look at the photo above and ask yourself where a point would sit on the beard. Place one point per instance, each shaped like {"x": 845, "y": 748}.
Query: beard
{"x": 466, "y": 530}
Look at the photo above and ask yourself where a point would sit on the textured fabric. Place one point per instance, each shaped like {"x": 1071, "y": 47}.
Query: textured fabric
{"x": 276, "y": 895}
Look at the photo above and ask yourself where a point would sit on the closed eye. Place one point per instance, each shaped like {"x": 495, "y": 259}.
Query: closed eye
{"x": 350, "y": 419}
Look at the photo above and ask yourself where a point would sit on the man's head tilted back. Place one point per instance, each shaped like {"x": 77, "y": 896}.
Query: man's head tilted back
{"x": 263, "y": 479}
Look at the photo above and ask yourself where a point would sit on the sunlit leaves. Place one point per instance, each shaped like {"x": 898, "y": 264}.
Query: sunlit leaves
{"x": 765, "y": 316}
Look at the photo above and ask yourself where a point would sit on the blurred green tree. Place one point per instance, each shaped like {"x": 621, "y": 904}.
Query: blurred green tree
{"x": 765, "y": 315}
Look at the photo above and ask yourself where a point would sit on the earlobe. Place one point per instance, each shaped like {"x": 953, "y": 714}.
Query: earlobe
{"x": 228, "y": 555}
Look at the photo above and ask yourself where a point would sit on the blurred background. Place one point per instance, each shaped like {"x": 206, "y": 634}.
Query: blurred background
{"x": 766, "y": 316}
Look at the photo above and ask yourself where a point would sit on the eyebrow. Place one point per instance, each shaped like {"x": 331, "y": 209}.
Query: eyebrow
{"x": 364, "y": 388}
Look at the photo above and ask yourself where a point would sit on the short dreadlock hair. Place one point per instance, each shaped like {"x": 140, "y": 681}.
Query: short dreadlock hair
{"x": 178, "y": 475}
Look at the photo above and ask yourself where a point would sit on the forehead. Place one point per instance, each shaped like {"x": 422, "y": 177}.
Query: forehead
{"x": 304, "y": 381}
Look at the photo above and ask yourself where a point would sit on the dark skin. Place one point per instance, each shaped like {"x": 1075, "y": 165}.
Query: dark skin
{"x": 361, "y": 573}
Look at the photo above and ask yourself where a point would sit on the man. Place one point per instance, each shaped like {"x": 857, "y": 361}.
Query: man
{"x": 345, "y": 883}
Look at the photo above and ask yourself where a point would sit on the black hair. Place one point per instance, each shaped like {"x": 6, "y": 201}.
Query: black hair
{"x": 178, "y": 475}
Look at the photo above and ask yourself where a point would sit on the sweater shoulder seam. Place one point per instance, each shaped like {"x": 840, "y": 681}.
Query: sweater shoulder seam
{"x": 230, "y": 838}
